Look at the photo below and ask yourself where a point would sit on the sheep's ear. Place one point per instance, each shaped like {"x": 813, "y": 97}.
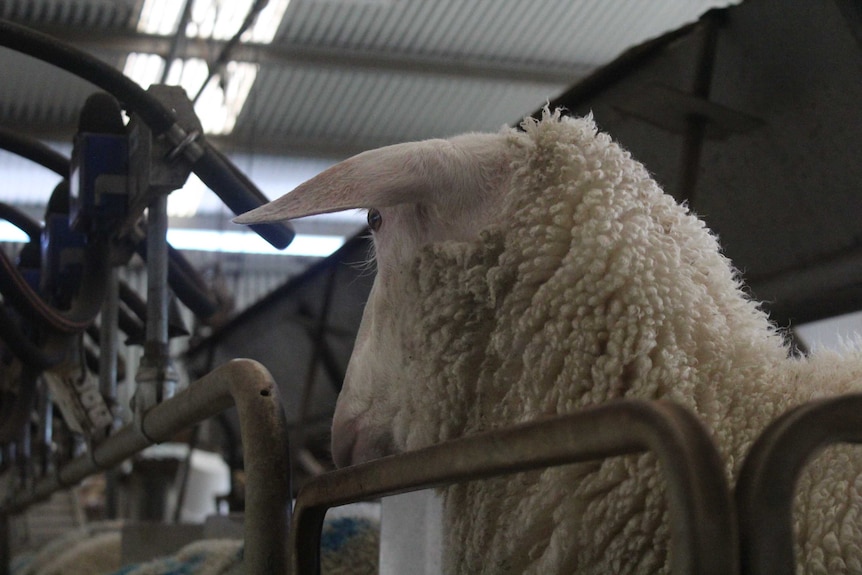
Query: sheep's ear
{"x": 398, "y": 174}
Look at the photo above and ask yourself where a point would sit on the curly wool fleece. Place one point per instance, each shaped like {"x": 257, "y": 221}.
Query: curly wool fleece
{"x": 595, "y": 286}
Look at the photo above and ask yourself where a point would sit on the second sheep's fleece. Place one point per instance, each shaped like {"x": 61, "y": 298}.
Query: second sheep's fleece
{"x": 525, "y": 274}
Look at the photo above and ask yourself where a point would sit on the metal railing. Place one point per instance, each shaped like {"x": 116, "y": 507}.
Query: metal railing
{"x": 244, "y": 383}
{"x": 703, "y": 522}
{"x": 765, "y": 489}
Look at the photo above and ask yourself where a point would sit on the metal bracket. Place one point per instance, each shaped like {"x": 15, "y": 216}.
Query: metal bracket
{"x": 160, "y": 165}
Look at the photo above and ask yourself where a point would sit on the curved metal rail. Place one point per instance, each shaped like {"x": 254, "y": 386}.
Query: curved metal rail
{"x": 765, "y": 489}
{"x": 241, "y": 382}
{"x": 703, "y": 523}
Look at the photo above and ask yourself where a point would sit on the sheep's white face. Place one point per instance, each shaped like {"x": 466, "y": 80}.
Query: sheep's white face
{"x": 419, "y": 193}
{"x": 371, "y": 400}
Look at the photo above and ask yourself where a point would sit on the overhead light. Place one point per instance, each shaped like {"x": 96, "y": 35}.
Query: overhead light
{"x": 13, "y": 234}
{"x": 250, "y": 243}
{"x": 223, "y": 97}
{"x": 160, "y": 17}
{"x": 145, "y": 69}
{"x": 214, "y": 19}
{"x": 305, "y": 245}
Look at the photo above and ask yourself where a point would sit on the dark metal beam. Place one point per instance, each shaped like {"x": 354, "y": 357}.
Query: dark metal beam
{"x": 124, "y": 41}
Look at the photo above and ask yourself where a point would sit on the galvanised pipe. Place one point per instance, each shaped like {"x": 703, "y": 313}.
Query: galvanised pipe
{"x": 241, "y": 382}
{"x": 702, "y": 518}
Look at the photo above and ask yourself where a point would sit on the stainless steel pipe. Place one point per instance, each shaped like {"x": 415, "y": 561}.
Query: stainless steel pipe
{"x": 241, "y": 382}
{"x": 702, "y": 518}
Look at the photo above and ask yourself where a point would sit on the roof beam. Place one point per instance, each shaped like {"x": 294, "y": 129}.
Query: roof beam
{"x": 124, "y": 41}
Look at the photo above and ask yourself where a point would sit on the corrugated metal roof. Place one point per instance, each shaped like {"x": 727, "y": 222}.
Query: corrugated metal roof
{"x": 90, "y": 14}
{"x": 351, "y": 74}
{"x": 345, "y": 75}
{"x": 355, "y": 110}
{"x": 540, "y": 32}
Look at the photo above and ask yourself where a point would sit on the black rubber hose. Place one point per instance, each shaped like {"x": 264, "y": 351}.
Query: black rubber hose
{"x": 185, "y": 282}
{"x": 20, "y": 345}
{"x": 212, "y": 167}
{"x": 133, "y": 301}
{"x": 15, "y": 415}
{"x": 20, "y": 220}
{"x": 134, "y": 329}
{"x": 86, "y": 306}
{"x": 35, "y": 151}
{"x": 239, "y": 193}
{"x": 83, "y": 65}
{"x": 190, "y": 286}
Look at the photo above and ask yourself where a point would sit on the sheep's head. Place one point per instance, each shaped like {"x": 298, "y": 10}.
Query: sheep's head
{"x": 416, "y": 193}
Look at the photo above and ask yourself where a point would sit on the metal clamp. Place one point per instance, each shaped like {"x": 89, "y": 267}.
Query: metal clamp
{"x": 186, "y": 144}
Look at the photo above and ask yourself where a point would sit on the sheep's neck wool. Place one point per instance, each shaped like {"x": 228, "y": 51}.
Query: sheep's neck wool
{"x": 597, "y": 286}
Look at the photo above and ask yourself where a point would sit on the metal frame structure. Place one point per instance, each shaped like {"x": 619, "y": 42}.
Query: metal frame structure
{"x": 706, "y": 534}
{"x": 243, "y": 383}
{"x": 703, "y": 522}
{"x": 750, "y": 533}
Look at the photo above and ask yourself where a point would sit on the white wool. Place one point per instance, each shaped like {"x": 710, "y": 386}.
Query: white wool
{"x": 97, "y": 555}
{"x": 205, "y": 557}
{"x": 92, "y": 549}
{"x": 580, "y": 283}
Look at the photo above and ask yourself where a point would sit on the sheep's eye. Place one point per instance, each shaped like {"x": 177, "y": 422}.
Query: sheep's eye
{"x": 375, "y": 220}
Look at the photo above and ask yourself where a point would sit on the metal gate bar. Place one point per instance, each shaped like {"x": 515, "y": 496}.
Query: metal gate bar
{"x": 702, "y": 519}
{"x": 765, "y": 489}
{"x": 249, "y": 386}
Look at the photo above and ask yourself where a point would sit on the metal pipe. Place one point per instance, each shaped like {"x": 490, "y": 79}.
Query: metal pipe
{"x": 156, "y": 378}
{"x": 157, "y": 269}
{"x": 179, "y": 37}
{"x": 46, "y": 427}
{"x": 5, "y": 551}
{"x": 702, "y": 519}
{"x": 241, "y": 382}
{"x": 108, "y": 340}
{"x": 766, "y": 484}
{"x": 318, "y": 341}
{"x": 108, "y": 360}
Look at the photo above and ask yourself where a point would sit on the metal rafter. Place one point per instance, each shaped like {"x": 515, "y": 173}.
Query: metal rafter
{"x": 126, "y": 41}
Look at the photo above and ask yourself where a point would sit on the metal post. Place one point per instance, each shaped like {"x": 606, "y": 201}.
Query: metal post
{"x": 156, "y": 378}
{"x": 108, "y": 347}
{"x": 108, "y": 340}
{"x": 5, "y": 551}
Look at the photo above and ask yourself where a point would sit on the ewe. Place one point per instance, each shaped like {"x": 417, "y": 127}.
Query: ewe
{"x": 527, "y": 274}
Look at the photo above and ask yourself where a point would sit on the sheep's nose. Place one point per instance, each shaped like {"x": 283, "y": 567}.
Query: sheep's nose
{"x": 355, "y": 441}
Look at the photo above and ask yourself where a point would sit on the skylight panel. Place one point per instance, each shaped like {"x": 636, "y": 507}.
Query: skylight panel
{"x": 145, "y": 69}
{"x": 160, "y": 17}
{"x": 222, "y": 99}
{"x": 213, "y": 19}
{"x": 267, "y": 23}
